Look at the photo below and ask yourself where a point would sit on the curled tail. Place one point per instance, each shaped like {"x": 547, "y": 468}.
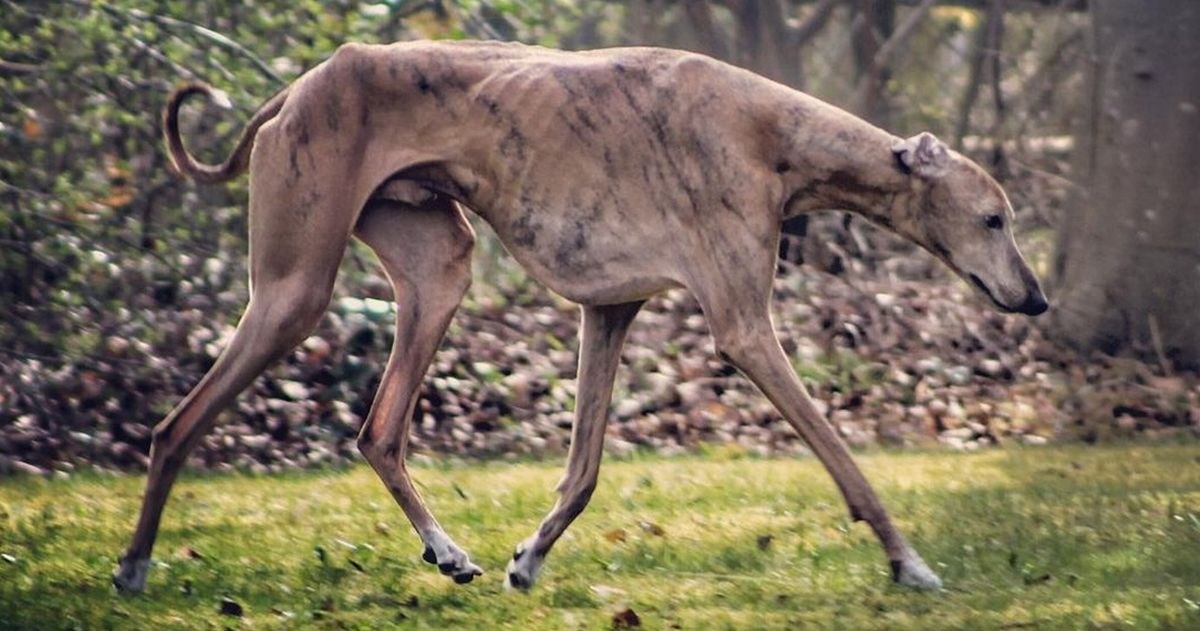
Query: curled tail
{"x": 237, "y": 161}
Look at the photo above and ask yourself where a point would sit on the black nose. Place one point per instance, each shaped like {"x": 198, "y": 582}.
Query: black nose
{"x": 1035, "y": 304}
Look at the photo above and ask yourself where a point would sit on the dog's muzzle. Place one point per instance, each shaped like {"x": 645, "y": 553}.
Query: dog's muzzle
{"x": 1035, "y": 303}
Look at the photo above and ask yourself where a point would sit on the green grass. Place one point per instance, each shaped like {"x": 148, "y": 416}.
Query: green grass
{"x": 1024, "y": 538}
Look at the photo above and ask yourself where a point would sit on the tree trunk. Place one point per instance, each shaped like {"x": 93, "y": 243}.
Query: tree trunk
{"x": 874, "y": 22}
{"x": 1127, "y": 267}
{"x": 763, "y": 42}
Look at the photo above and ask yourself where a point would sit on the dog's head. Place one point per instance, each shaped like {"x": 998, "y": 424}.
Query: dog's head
{"x": 962, "y": 216}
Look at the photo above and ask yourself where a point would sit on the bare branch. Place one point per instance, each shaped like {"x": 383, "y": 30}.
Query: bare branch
{"x": 204, "y": 32}
{"x": 14, "y": 69}
{"x": 699, "y": 13}
{"x": 995, "y": 43}
{"x": 902, "y": 33}
{"x": 1042, "y": 83}
{"x": 1016, "y": 5}
{"x": 815, "y": 22}
{"x": 974, "y": 79}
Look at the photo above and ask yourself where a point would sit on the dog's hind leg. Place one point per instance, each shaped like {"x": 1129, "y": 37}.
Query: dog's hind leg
{"x": 426, "y": 252}
{"x": 601, "y": 337}
{"x": 295, "y": 247}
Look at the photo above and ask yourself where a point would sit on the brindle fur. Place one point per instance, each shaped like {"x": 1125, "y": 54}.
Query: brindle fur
{"x": 610, "y": 176}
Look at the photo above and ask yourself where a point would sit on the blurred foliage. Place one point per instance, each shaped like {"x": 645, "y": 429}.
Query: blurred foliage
{"x": 93, "y": 215}
{"x": 109, "y": 260}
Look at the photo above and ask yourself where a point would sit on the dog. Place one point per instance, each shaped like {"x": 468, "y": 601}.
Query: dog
{"x": 611, "y": 176}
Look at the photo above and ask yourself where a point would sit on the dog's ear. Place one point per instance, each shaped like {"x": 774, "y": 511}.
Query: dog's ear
{"x": 923, "y": 154}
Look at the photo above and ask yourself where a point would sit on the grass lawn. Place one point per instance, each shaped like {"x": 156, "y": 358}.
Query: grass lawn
{"x": 1024, "y": 538}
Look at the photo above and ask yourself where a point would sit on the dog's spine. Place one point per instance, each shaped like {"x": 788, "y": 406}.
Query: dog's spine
{"x": 237, "y": 161}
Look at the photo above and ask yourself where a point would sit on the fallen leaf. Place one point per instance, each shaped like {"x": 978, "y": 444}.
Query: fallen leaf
{"x": 114, "y": 170}
{"x": 188, "y": 552}
{"x": 1167, "y": 385}
{"x": 626, "y": 619}
{"x": 118, "y": 197}
{"x": 1034, "y": 580}
{"x": 616, "y": 536}
{"x": 32, "y": 127}
{"x": 231, "y": 607}
{"x": 652, "y": 528}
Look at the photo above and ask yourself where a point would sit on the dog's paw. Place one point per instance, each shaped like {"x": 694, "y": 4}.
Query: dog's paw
{"x": 453, "y": 562}
{"x": 517, "y": 580}
{"x": 913, "y": 572}
{"x": 462, "y": 572}
{"x": 130, "y": 577}
{"x": 522, "y": 571}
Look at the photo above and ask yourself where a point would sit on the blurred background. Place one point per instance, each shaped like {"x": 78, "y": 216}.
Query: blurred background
{"x": 119, "y": 281}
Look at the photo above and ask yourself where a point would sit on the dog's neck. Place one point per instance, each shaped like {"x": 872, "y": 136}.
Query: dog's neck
{"x": 844, "y": 163}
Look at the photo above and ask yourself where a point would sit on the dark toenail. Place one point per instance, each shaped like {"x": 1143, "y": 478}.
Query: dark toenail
{"x": 516, "y": 580}
{"x": 464, "y": 578}
{"x": 896, "y": 565}
{"x": 446, "y": 568}
{"x": 428, "y": 556}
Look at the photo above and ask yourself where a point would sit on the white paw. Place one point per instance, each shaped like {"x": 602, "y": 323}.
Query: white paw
{"x": 131, "y": 575}
{"x": 450, "y": 559}
{"x": 913, "y": 572}
{"x": 522, "y": 571}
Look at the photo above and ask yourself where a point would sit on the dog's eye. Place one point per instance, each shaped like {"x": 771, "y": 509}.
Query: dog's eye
{"x": 994, "y": 222}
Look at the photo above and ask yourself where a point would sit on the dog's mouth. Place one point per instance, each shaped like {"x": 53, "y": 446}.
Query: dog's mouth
{"x": 978, "y": 282}
{"x": 1034, "y": 304}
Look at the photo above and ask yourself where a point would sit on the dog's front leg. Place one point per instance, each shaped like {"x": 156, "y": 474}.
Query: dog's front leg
{"x": 602, "y": 335}
{"x": 754, "y": 349}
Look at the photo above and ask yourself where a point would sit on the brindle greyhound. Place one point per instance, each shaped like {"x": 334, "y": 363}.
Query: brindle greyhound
{"x": 610, "y": 176}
